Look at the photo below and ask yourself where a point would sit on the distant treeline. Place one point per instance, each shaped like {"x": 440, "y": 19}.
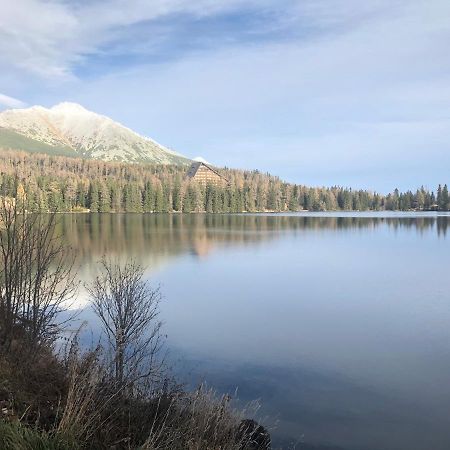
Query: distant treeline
{"x": 69, "y": 184}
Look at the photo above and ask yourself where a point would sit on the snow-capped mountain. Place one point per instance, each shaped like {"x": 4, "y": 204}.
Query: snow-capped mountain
{"x": 70, "y": 129}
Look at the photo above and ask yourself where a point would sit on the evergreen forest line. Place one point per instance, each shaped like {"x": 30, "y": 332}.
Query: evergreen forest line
{"x": 64, "y": 184}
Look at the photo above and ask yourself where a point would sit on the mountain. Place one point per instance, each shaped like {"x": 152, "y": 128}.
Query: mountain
{"x": 68, "y": 129}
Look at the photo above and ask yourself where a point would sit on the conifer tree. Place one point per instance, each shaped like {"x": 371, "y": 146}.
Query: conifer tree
{"x": 445, "y": 199}
{"x": 149, "y": 197}
{"x": 93, "y": 197}
{"x": 104, "y": 198}
{"x": 439, "y": 197}
{"x": 272, "y": 199}
{"x": 176, "y": 195}
{"x": 116, "y": 198}
{"x": 159, "y": 199}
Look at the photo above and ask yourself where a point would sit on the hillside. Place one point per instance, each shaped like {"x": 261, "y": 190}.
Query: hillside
{"x": 68, "y": 129}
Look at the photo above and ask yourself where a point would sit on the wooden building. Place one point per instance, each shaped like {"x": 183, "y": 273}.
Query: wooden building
{"x": 205, "y": 174}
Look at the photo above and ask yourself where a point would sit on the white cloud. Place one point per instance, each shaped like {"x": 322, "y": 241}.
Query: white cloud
{"x": 38, "y": 36}
{"x": 11, "y": 102}
{"x": 49, "y": 38}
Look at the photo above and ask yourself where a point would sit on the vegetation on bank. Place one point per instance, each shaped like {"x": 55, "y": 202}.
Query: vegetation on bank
{"x": 58, "y": 183}
{"x": 116, "y": 395}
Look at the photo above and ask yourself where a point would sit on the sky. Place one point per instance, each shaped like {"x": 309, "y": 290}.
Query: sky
{"x": 319, "y": 92}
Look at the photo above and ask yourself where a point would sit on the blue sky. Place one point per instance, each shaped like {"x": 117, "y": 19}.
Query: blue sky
{"x": 320, "y": 92}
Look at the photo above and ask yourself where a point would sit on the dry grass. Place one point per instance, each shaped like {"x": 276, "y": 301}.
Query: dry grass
{"x": 203, "y": 421}
{"x": 73, "y": 399}
{"x": 82, "y": 409}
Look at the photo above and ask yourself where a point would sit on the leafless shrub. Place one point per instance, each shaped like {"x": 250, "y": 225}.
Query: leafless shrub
{"x": 128, "y": 310}
{"x": 36, "y": 276}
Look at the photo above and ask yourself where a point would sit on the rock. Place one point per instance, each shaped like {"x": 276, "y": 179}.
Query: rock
{"x": 253, "y": 436}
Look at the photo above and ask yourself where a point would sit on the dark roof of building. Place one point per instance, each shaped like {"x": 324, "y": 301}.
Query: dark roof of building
{"x": 193, "y": 169}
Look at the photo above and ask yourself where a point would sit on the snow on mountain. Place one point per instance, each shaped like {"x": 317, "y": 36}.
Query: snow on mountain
{"x": 201, "y": 159}
{"x": 90, "y": 135}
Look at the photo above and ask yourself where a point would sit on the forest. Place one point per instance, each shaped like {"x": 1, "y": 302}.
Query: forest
{"x": 65, "y": 184}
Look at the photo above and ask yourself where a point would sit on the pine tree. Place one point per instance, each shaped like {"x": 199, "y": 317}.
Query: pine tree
{"x": 167, "y": 198}
{"x": 419, "y": 201}
{"x": 209, "y": 206}
{"x": 272, "y": 199}
{"x": 159, "y": 199}
{"x": 260, "y": 200}
{"x": 80, "y": 195}
{"x": 93, "y": 197}
{"x": 445, "y": 203}
{"x": 133, "y": 198}
{"x": 439, "y": 197}
{"x": 149, "y": 198}
{"x": 176, "y": 195}
{"x": 188, "y": 200}
{"x": 116, "y": 198}
{"x": 104, "y": 198}
{"x": 293, "y": 199}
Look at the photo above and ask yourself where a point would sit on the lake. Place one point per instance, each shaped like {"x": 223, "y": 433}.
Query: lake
{"x": 338, "y": 323}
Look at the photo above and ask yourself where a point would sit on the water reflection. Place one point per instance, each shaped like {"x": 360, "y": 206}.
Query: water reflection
{"x": 162, "y": 236}
{"x": 339, "y": 323}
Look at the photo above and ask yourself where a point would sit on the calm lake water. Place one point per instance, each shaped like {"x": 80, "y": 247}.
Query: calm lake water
{"x": 338, "y": 323}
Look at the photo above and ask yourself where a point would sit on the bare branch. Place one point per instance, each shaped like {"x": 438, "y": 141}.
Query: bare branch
{"x": 36, "y": 276}
{"x": 129, "y": 313}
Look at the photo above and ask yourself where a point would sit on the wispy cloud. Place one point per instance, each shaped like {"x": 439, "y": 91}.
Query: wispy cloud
{"x": 38, "y": 36}
{"x": 68, "y": 33}
{"x": 11, "y": 102}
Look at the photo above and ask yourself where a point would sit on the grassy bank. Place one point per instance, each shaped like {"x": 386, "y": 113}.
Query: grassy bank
{"x": 50, "y": 402}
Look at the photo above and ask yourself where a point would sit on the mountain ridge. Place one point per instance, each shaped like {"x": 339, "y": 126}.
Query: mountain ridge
{"x": 69, "y": 129}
